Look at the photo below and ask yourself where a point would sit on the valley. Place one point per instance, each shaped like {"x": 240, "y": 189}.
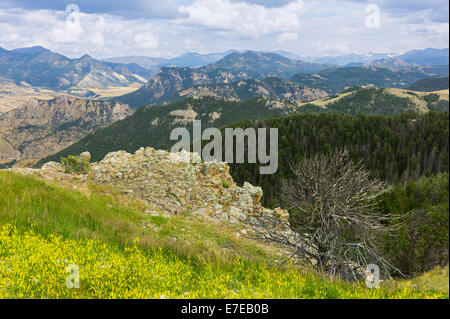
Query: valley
{"x": 12, "y": 95}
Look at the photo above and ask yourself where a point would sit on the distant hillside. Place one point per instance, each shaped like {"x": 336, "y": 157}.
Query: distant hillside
{"x": 39, "y": 128}
{"x": 193, "y": 59}
{"x": 336, "y": 80}
{"x": 343, "y": 60}
{"x": 380, "y": 101}
{"x": 143, "y": 61}
{"x": 260, "y": 65}
{"x": 433, "y": 84}
{"x": 232, "y": 68}
{"x": 151, "y": 126}
{"x": 40, "y": 67}
{"x": 428, "y": 56}
{"x": 270, "y": 88}
{"x": 415, "y": 58}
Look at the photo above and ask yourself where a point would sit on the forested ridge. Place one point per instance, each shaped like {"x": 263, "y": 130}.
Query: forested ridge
{"x": 394, "y": 148}
{"x": 380, "y": 101}
{"x": 151, "y": 125}
{"x": 430, "y": 84}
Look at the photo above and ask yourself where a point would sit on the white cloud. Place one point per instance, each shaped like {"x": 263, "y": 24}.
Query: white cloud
{"x": 241, "y": 18}
{"x": 98, "y": 35}
{"x": 146, "y": 41}
{"x": 68, "y": 31}
{"x": 288, "y": 36}
{"x": 306, "y": 28}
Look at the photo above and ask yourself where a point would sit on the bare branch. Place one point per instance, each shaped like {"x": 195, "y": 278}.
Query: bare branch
{"x": 335, "y": 224}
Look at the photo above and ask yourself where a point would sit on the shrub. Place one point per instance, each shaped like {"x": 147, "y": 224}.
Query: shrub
{"x": 76, "y": 164}
{"x": 334, "y": 217}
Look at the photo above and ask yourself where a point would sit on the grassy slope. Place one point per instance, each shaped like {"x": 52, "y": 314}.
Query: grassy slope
{"x": 416, "y": 98}
{"x": 123, "y": 252}
{"x": 334, "y": 81}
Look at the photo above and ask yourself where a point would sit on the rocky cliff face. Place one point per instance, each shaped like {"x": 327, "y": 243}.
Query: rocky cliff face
{"x": 174, "y": 183}
{"x": 39, "y": 128}
{"x": 176, "y": 83}
{"x": 270, "y": 88}
{"x": 168, "y": 82}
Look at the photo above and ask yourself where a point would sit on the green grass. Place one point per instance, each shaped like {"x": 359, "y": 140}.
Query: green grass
{"x": 436, "y": 280}
{"x": 31, "y": 204}
{"x": 123, "y": 252}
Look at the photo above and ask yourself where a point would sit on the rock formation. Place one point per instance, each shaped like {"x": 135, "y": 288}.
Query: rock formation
{"x": 39, "y": 128}
{"x": 175, "y": 183}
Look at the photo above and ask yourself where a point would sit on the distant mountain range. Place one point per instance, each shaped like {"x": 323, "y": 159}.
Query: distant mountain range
{"x": 193, "y": 59}
{"x": 232, "y": 68}
{"x": 415, "y": 58}
{"x": 428, "y": 56}
{"x": 336, "y": 80}
{"x": 41, "y": 67}
{"x": 346, "y": 59}
{"x": 190, "y": 59}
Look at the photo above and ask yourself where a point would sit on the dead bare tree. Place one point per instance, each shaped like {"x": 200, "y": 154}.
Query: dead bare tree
{"x": 334, "y": 222}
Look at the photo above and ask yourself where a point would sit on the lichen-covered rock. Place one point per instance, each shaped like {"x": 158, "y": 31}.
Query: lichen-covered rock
{"x": 52, "y": 165}
{"x": 179, "y": 182}
{"x": 85, "y": 157}
{"x": 185, "y": 157}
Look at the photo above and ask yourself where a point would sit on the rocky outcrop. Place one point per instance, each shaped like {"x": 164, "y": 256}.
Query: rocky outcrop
{"x": 175, "y": 183}
{"x": 39, "y": 128}
{"x": 179, "y": 182}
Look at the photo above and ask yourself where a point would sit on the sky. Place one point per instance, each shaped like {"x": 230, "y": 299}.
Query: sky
{"x": 111, "y": 28}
